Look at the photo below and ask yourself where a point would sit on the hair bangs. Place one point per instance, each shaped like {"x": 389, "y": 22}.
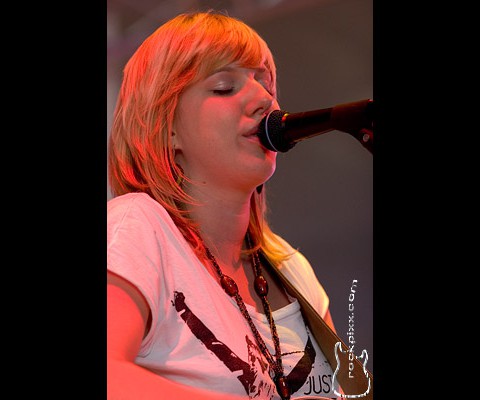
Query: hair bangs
{"x": 227, "y": 41}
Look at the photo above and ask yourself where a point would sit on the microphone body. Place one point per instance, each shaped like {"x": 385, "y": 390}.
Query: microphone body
{"x": 280, "y": 130}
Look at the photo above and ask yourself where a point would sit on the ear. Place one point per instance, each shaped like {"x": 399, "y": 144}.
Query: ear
{"x": 176, "y": 143}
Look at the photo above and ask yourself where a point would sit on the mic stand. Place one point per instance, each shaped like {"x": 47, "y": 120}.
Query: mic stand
{"x": 356, "y": 119}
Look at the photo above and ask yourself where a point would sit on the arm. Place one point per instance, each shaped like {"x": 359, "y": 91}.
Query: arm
{"x": 127, "y": 324}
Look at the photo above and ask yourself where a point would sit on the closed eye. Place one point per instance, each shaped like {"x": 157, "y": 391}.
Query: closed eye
{"x": 223, "y": 92}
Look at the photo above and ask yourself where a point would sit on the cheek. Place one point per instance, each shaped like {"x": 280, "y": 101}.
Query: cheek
{"x": 187, "y": 116}
{"x": 206, "y": 128}
{"x": 187, "y": 127}
{"x": 214, "y": 125}
{"x": 201, "y": 137}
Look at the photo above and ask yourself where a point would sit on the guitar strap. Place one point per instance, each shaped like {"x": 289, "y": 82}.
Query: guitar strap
{"x": 362, "y": 380}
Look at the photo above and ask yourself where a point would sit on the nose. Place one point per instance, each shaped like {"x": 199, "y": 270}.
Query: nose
{"x": 261, "y": 101}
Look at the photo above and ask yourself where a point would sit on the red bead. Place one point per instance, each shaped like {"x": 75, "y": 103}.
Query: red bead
{"x": 282, "y": 388}
{"x": 229, "y": 285}
{"x": 261, "y": 286}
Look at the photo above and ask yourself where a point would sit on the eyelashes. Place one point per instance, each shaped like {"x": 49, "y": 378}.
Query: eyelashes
{"x": 231, "y": 90}
{"x": 223, "y": 92}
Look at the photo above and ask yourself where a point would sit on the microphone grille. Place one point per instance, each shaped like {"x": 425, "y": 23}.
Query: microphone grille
{"x": 270, "y": 132}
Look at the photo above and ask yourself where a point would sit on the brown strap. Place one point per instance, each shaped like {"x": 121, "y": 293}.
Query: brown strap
{"x": 353, "y": 383}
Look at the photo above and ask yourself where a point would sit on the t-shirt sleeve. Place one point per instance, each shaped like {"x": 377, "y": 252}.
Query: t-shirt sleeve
{"x": 133, "y": 249}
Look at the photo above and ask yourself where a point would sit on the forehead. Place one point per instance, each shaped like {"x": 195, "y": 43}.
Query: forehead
{"x": 213, "y": 55}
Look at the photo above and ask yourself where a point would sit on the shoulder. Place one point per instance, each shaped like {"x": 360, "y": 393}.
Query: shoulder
{"x": 295, "y": 264}
{"x": 300, "y": 272}
{"x": 135, "y": 215}
{"x": 136, "y": 207}
{"x": 133, "y": 203}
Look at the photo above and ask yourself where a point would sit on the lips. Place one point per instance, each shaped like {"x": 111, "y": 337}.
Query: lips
{"x": 252, "y": 132}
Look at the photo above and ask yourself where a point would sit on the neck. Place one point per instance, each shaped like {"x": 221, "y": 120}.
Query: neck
{"x": 223, "y": 218}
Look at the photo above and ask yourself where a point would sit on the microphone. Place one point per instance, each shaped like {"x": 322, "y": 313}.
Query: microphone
{"x": 281, "y": 130}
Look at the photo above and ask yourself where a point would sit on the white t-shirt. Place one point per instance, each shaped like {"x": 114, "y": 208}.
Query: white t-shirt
{"x": 198, "y": 335}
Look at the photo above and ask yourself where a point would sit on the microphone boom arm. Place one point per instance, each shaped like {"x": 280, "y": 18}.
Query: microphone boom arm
{"x": 280, "y": 130}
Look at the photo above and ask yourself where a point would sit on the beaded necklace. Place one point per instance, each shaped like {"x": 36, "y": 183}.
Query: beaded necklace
{"x": 261, "y": 288}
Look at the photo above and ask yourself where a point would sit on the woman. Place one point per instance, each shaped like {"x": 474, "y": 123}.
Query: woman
{"x": 194, "y": 310}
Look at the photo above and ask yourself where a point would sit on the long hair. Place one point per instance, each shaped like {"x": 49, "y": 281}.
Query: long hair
{"x": 179, "y": 53}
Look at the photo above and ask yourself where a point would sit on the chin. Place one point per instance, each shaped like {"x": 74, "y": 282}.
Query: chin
{"x": 256, "y": 172}
{"x": 272, "y": 167}
{"x": 266, "y": 177}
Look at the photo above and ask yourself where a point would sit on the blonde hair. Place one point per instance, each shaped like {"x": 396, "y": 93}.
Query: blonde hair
{"x": 140, "y": 153}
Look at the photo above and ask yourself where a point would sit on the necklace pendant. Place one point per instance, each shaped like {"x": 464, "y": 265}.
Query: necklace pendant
{"x": 282, "y": 387}
{"x": 229, "y": 285}
{"x": 261, "y": 285}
